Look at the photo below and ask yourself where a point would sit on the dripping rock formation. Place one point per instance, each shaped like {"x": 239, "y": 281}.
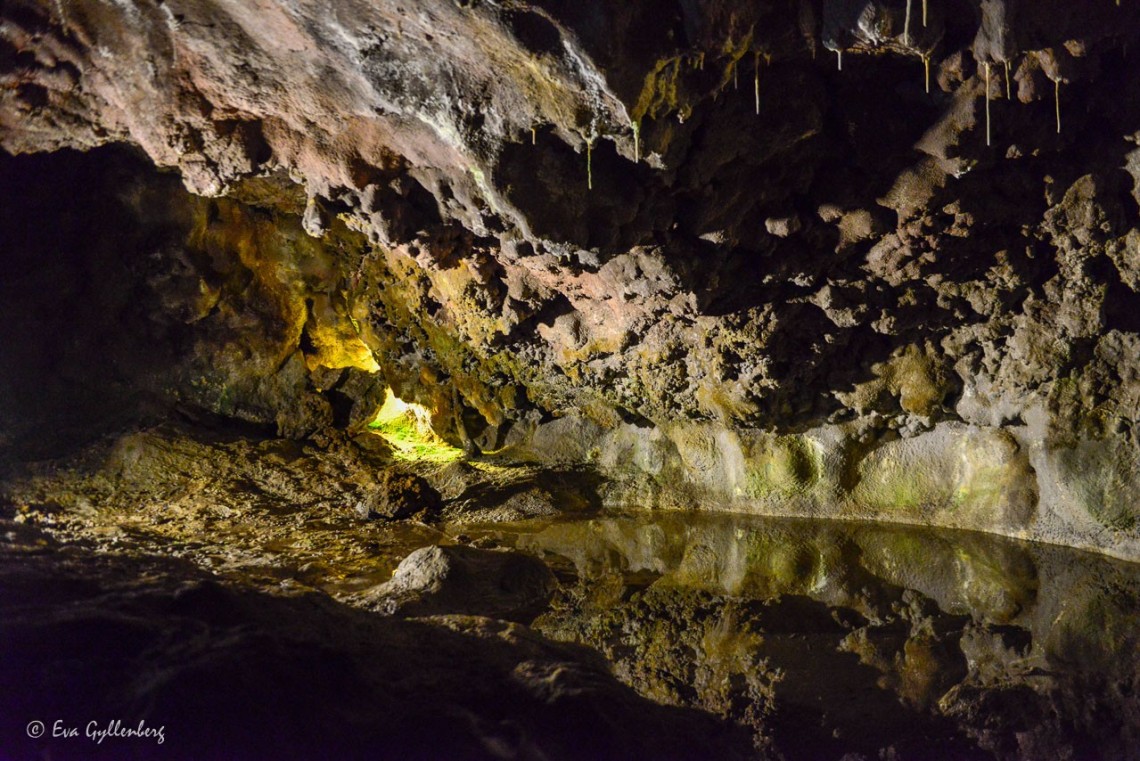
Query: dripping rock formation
{"x": 303, "y": 302}
{"x": 675, "y": 241}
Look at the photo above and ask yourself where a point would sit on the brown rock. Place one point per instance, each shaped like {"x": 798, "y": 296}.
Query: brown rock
{"x": 398, "y": 495}
{"x": 467, "y": 580}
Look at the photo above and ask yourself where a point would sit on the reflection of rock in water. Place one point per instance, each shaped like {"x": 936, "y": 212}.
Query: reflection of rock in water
{"x": 834, "y": 638}
{"x": 821, "y": 639}
{"x": 440, "y": 580}
{"x": 234, "y": 672}
{"x": 778, "y": 667}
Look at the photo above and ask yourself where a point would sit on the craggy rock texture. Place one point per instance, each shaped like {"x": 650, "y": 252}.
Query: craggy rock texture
{"x": 128, "y": 299}
{"x": 676, "y": 240}
{"x": 228, "y": 671}
{"x": 435, "y": 580}
{"x": 225, "y": 564}
{"x": 278, "y": 511}
{"x": 880, "y": 642}
{"x": 401, "y": 495}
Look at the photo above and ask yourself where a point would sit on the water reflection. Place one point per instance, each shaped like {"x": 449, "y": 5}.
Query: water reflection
{"x": 882, "y": 641}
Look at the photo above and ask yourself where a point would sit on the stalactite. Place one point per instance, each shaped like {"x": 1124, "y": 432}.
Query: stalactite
{"x": 923, "y": 14}
{"x": 906, "y": 25}
{"x": 756, "y": 82}
{"x": 736, "y": 76}
{"x": 636, "y": 126}
{"x": 533, "y": 136}
{"x": 926, "y": 71}
{"x": 839, "y": 55}
{"x": 1057, "y": 101}
{"x": 1008, "y": 91}
{"x": 987, "y": 65}
{"x": 590, "y": 164}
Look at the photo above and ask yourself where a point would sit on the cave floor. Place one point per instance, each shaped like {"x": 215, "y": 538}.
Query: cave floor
{"x": 224, "y": 587}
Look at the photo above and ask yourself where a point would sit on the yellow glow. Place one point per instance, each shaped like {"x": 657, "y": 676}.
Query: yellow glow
{"x": 395, "y": 408}
{"x": 407, "y": 427}
{"x": 337, "y": 347}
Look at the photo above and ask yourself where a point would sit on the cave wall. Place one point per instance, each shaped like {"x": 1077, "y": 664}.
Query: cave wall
{"x": 128, "y": 300}
{"x": 678, "y": 240}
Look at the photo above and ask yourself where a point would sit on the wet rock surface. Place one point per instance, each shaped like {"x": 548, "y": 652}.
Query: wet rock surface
{"x": 811, "y": 639}
{"x": 401, "y": 199}
{"x": 467, "y": 580}
{"x": 272, "y": 509}
{"x": 399, "y": 494}
{"x": 866, "y": 261}
{"x": 224, "y": 670}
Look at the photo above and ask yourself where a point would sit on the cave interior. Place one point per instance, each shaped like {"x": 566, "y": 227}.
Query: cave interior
{"x": 519, "y": 379}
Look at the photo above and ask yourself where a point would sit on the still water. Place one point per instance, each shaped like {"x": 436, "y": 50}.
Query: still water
{"x": 823, "y": 640}
{"x": 832, "y": 638}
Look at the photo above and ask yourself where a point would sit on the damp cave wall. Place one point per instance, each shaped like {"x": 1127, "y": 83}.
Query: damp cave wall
{"x": 674, "y": 240}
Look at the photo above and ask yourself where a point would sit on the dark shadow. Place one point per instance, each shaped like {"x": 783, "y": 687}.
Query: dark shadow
{"x": 73, "y": 266}
{"x": 230, "y": 672}
{"x": 535, "y": 31}
{"x": 549, "y": 183}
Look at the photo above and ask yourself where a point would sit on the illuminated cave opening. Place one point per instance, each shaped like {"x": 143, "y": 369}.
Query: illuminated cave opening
{"x": 406, "y": 426}
{"x": 757, "y": 387}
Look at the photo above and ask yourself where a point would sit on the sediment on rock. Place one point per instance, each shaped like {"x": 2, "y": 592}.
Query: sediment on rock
{"x": 338, "y": 335}
{"x": 519, "y": 217}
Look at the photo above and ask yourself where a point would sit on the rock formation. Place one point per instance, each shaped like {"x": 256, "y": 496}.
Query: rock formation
{"x": 225, "y": 671}
{"x": 674, "y": 240}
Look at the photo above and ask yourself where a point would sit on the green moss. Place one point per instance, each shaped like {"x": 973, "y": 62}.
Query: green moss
{"x": 787, "y": 466}
{"x": 1101, "y": 478}
{"x": 901, "y": 493}
{"x": 996, "y": 481}
{"x": 783, "y": 567}
{"x": 896, "y": 484}
{"x": 660, "y": 90}
{"x": 409, "y": 445}
{"x": 406, "y": 428}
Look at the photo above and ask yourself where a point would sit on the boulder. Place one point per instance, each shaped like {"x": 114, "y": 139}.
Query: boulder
{"x": 443, "y": 580}
{"x": 398, "y": 495}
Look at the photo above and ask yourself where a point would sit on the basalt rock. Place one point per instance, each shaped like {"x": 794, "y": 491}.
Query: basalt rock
{"x": 465, "y": 580}
{"x": 399, "y": 494}
{"x": 672, "y": 240}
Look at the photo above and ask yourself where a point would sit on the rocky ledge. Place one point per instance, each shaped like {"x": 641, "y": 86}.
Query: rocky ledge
{"x": 855, "y": 258}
